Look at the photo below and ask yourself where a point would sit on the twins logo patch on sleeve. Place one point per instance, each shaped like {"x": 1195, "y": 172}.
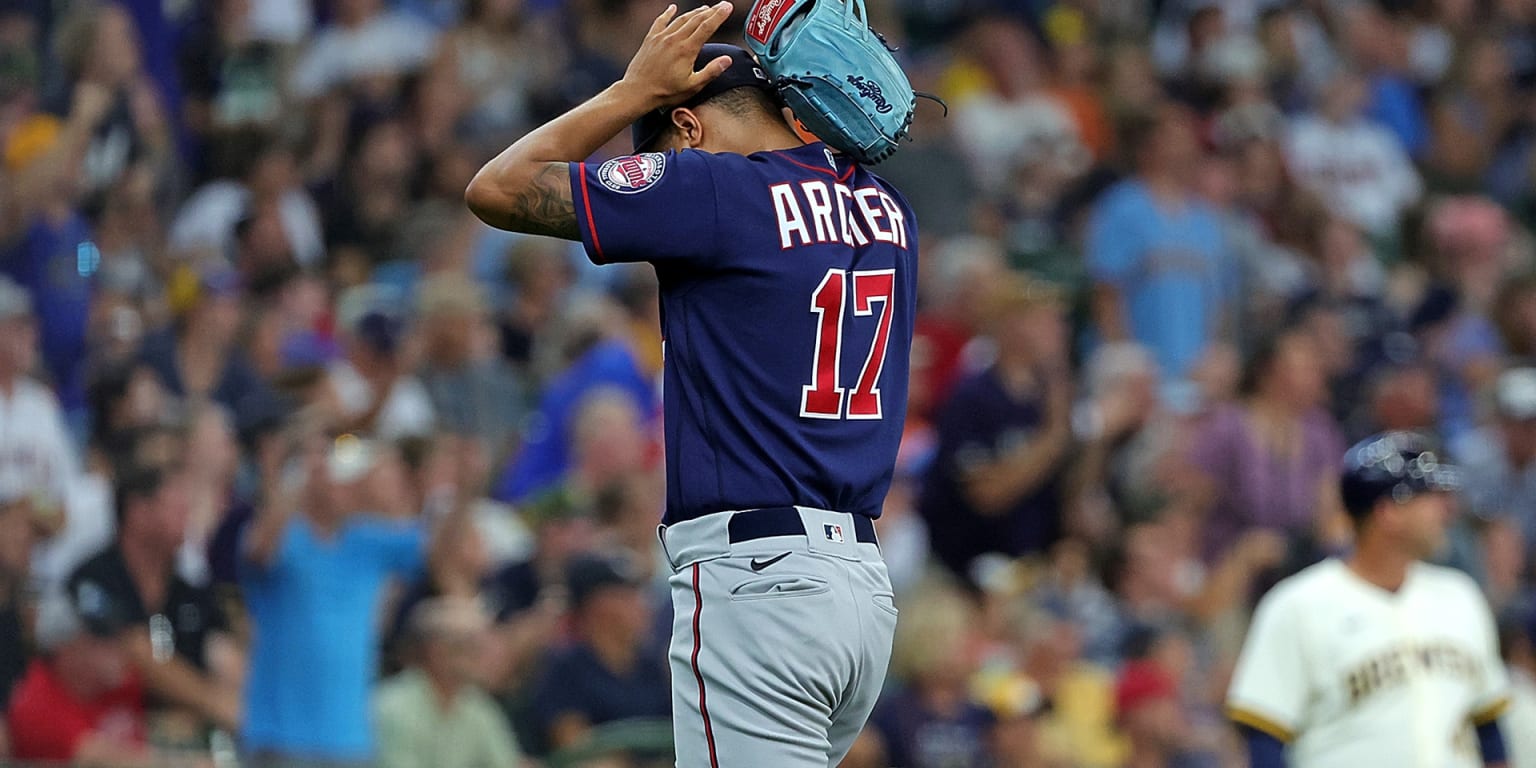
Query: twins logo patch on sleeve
{"x": 632, "y": 173}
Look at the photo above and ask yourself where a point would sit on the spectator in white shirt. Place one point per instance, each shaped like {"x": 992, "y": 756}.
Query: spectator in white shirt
{"x": 1357, "y": 167}
{"x": 372, "y": 389}
{"x": 1016, "y": 123}
{"x": 364, "y": 41}
{"x": 37, "y": 458}
{"x": 210, "y": 219}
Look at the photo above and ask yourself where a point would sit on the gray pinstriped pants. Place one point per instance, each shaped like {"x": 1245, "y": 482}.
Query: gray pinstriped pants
{"x": 777, "y": 666}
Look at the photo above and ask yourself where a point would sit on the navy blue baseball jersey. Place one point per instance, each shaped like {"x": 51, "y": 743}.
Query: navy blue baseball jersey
{"x": 788, "y": 289}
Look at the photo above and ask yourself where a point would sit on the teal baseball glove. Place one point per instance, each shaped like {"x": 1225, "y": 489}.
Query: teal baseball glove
{"x": 835, "y": 72}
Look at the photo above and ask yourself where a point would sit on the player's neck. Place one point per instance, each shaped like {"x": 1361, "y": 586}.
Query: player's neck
{"x": 1380, "y": 565}
{"x": 745, "y": 138}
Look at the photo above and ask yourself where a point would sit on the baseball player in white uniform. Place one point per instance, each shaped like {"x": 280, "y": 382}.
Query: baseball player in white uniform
{"x": 1377, "y": 659}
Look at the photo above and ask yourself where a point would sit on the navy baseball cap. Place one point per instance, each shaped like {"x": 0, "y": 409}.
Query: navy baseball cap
{"x": 1399, "y": 465}
{"x": 381, "y": 331}
{"x": 590, "y": 573}
{"x": 744, "y": 72}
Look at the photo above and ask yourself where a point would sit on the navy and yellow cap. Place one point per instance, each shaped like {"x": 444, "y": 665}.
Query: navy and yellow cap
{"x": 743, "y": 72}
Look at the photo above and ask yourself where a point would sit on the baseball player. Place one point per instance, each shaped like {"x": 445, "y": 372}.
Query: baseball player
{"x": 1379, "y": 659}
{"x": 787, "y": 276}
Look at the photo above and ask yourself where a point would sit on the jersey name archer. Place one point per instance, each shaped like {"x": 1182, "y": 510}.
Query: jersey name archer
{"x": 788, "y": 293}
{"x": 1352, "y": 675}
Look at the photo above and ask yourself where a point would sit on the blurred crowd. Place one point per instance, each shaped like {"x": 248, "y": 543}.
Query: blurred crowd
{"x": 302, "y": 466}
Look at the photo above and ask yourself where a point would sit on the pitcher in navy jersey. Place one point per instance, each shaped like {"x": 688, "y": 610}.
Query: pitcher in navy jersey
{"x": 788, "y": 292}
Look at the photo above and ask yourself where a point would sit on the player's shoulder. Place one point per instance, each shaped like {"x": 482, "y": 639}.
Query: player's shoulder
{"x": 1306, "y": 585}
{"x": 1447, "y": 579}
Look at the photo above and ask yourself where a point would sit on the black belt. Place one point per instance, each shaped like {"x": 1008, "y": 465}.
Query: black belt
{"x": 785, "y": 521}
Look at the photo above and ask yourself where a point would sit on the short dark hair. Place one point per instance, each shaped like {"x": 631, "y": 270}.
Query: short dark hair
{"x": 135, "y": 484}
{"x": 745, "y": 101}
{"x": 1257, "y": 366}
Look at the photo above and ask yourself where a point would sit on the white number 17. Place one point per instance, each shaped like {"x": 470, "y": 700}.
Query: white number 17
{"x": 824, "y": 397}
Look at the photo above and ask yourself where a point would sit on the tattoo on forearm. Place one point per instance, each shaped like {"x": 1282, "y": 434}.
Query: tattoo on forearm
{"x": 544, "y": 207}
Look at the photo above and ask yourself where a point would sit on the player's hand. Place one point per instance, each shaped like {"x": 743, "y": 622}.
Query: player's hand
{"x": 661, "y": 73}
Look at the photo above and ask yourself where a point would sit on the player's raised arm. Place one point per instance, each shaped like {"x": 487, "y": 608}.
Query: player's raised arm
{"x": 527, "y": 188}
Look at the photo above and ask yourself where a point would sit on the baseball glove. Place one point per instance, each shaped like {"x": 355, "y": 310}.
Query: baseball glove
{"x": 835, "y": 72}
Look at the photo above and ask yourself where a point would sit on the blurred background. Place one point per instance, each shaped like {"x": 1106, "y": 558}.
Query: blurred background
{"x": 303, "y": 467}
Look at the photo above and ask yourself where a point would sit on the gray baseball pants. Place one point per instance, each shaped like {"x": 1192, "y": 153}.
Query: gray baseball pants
{"x": 783, "y": 620}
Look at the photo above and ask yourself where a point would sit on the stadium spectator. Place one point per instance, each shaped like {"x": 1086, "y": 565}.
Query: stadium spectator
{"x": 1110, "y": 423}
{"x": 595, "y": 361}
{"x": 1469, "y": 254}
{"x": 432, "y": 715}
{"x": 993, "y": 485}
{"x": 932, "y": 720}
{"x": 37, "y": 455}
{"x": 1518, "y": 650}
{"x": 1271, "y": 459}
{"x": 1156, "y": 728}
{"x": 43, "y": 234}
{"x": 1514, "y": 312}
{"x": 365, "y": 44}
{"x": 16, "y": 538}
{"x": 373, "y": 390}
{"x": 127, "y": 404}
{"x": 230, "y": 77}
{"x": 198, "y": 359}
{"x": 1345, "y": 304}
{"x": 611, "y": 672}
{"x": 503, "y": 59}
{"x": 1015, "y": 124}
{"x": 526, "y": 618}
{"x": 260, "y": 189}
{"x": 212, "y": 461}
{"x": 1162, "y": 274}
{"x": 1500, "y": 459}
{"x": 1355, "y": 166}
{"x": 540, "y": 274}
{"x": 99, "y": 52}
{"x": 1377, "y": 43}
{"x": 80, "y": 700}
{"x": 950, "y": 313}
{"x": 1469, "y": 116}
{"x": 473, "y": 392}
{"x": 1400, "y": 395}
{"x": 316, "y": 562}
{"x": 176, "y": 636}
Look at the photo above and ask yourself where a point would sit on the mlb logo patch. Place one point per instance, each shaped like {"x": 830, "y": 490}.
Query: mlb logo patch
{"x": 632, "y": 173}
{"x": 834, "y": 532}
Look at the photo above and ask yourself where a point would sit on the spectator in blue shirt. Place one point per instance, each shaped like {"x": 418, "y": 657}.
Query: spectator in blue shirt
{"x": 313, "y": 580}
{"x": 596, "y": 361}
{"x": 1162, "y": 274}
